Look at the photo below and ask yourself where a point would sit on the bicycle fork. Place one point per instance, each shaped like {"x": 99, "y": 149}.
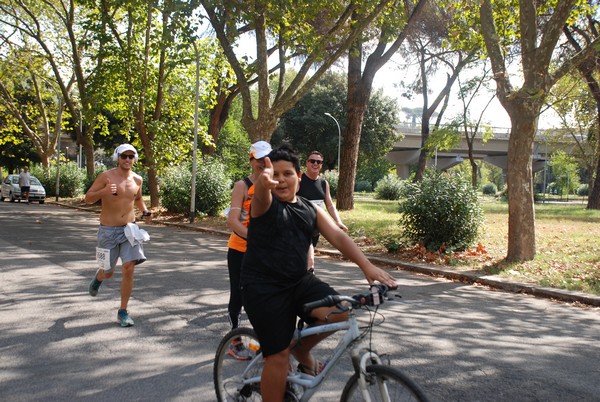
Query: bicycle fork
{"x": 362, "y": 357}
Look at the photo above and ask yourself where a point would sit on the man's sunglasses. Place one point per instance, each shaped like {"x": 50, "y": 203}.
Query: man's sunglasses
{"x": 125, "y": 156}
{"x": 318, "y": 162}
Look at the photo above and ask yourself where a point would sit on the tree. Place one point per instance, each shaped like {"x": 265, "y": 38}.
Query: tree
{"x": 467, "y": 94}
{"x": 577, "y": 109}
{"x": 391, "y": 34}
{"x": 55, "y": 27}
{"x": 306, "y": 127}
{"x": 432, "y": 49}
{"x": 564, "y": 170}
{"x": 537, "y": 30}
{"x": 148, "y": 50}
{"x": 310, "y": 34}
{"x": 30, "y": 100}
{"x": 580, "y": 34}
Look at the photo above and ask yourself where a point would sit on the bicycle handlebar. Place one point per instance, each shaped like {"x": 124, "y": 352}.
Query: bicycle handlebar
{"x": 374, "y": 297}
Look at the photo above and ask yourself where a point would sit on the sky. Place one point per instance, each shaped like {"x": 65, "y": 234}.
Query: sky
{"x": 391, "y": 74}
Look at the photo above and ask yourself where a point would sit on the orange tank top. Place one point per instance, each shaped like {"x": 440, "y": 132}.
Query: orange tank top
{"x": 237, "y": 242}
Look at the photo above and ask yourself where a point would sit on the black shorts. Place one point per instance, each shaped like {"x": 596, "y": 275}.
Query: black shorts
{"x": 273, "y": 309}
{"x": 25, "y": 189}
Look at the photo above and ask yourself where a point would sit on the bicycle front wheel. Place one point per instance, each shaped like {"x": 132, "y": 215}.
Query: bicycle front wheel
{"x": 384, "y": 383}
{"x": 238, "y": 358}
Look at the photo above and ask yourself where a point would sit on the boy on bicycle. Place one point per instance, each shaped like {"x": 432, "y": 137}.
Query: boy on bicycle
{"x": 275, "y": 281}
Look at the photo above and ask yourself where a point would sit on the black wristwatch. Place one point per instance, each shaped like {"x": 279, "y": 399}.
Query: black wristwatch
{"x": 146, "y": 213}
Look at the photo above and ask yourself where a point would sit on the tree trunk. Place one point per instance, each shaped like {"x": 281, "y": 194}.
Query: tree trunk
{"x": 149, "y": 159}
{"x": 594, "y": 197}
{"x": 422, "y": 163}
{"x": 217, "y": 117}
{"x": 358, "y": 96}
{"x": 521, "y": 211}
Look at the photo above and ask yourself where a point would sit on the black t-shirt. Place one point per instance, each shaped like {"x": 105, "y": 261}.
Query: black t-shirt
{"x": 313, "y": 190}
{"x": 278, "y": 243}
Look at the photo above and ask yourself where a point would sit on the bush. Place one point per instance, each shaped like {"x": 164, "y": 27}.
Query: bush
{"x": 332, "y": 178}
{"x": 88, "y": 181}
{"x": 583, "y": 190}
{"x": 389, "y": 188}
{"x": 363, "y": 186}
{"x": 489, "y": 189}
{"x": 213, "y": 188}
{"x": 441, "y": 209}
{"x": 71, "y": 181}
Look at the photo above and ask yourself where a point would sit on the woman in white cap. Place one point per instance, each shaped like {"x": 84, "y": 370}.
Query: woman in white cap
{"x": 120, "y": 190}
{"x": 238, "y": 218}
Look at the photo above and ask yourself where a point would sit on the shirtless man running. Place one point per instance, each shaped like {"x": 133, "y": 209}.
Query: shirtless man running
{"x": 119, "y": 189}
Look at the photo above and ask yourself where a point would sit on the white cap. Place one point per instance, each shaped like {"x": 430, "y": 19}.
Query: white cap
{"x": 122, "y": 148}
{"x": 260, "y": 149}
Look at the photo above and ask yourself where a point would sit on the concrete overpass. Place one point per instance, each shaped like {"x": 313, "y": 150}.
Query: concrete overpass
{"x": 495, "y": 151}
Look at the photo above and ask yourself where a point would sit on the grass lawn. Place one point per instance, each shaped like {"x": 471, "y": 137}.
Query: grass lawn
{"x": 567, "y": 242}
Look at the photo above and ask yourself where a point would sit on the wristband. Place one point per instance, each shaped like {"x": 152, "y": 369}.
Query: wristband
{"x": 146, "y": 213}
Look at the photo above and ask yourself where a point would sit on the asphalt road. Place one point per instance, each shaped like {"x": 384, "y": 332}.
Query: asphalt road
{"x": 460, "y": 342}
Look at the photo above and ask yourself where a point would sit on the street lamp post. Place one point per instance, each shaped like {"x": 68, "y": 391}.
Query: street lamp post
{"x": 194, "y": 152}
{"x": 339, "y": 138}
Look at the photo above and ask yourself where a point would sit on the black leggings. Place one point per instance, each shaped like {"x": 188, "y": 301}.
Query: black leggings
{"x": 234, "y": 265}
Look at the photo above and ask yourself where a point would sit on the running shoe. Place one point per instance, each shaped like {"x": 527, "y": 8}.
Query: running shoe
{"x": 124, "y": 318}
{"x": 94, "y": 286}
{"x": 237, "y": 350}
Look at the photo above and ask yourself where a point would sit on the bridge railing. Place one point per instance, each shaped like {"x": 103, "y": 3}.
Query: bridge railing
{"x": 500, "y": 133}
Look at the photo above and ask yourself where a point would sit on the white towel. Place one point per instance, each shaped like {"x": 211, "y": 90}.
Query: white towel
{"x": 135, "y": 235}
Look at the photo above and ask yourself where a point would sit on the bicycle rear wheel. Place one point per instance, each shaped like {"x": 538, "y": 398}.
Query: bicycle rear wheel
{"x": 384, "y": 383}
{"x": 230, "y": 371}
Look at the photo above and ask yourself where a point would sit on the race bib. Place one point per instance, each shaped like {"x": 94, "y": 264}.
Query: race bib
{"x": 319, "y": 203}
{"x": 103, "y": 258}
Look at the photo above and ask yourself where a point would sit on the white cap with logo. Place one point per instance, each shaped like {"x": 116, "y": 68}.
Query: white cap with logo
{"x": 122, "y": 148}
{"x": 260, "y": 149}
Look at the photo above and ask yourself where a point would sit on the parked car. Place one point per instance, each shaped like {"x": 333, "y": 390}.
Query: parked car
{"x": 12, "y": 191}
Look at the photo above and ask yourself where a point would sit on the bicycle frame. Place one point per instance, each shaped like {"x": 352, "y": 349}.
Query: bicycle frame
{"x": 351, "y": 341}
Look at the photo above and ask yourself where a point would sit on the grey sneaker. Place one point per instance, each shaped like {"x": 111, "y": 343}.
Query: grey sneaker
{"x": 124, "y": 318}
{"x": 94, "y": 286}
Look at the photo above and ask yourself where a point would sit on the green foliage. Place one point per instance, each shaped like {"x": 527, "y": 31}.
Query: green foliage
{"x": 332, "y": 178}
{"x": 233, "y": 145}
{"x": 389, "y": 188}
{"x": 363, "y": 186}
{"x": 213, "y": 187}
{"x": 443, "y": 139}
{"x": 71, "y": 181}
{"x": 564, "y": 169}
{"x": 306, "y": 127}
{"x": 373, "y": 169}
{"x": 441, "y": 209}
{"x": 583, "y": 190}
{"x": 175, "y": 184}
{"x": 489, "y": 189}
{"x": 89, "y": 180}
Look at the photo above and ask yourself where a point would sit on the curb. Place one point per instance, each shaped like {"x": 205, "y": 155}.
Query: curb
{"x": 485, "y": 280}
{"x": 425, "y": 269}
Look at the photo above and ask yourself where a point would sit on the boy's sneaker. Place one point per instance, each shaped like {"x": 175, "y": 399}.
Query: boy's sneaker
{"x": 237, "y": 350}
{"x": 124, "y": 318}
{"x": 94, "y": 286}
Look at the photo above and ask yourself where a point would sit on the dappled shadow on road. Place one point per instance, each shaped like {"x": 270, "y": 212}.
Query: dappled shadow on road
{"x": 460, "y": 342}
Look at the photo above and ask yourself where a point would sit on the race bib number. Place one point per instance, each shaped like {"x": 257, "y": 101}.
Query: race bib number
{"x": 103, "y": 258}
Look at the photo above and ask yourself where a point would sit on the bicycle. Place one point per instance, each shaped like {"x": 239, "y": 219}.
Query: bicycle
{"x": 239, "y": 380}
